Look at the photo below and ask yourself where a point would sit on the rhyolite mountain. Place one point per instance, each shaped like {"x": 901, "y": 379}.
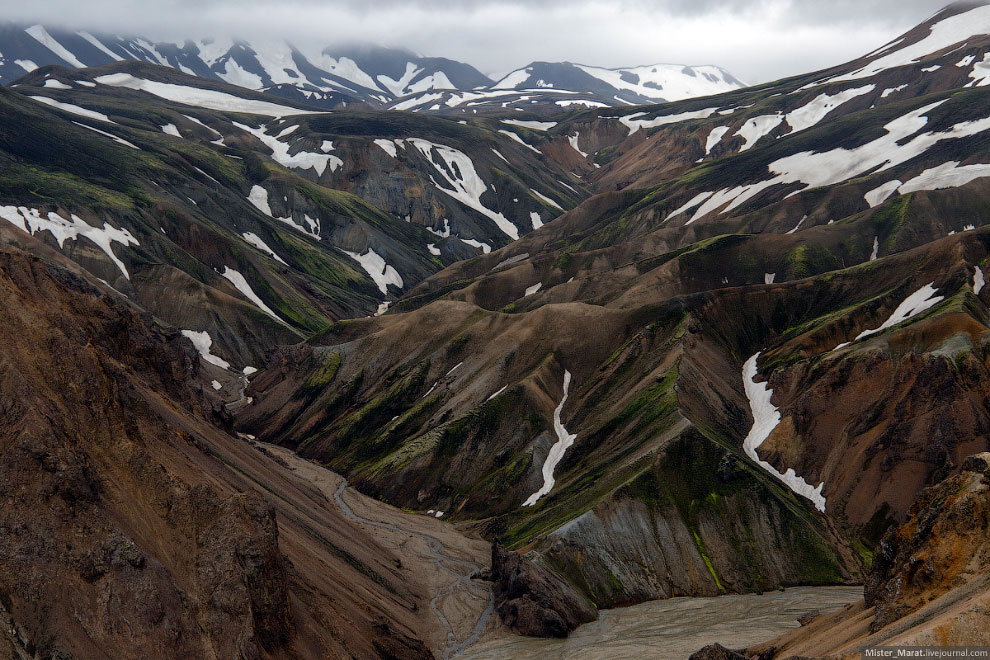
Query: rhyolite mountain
{"x": 808, "y": 251}
{"x": 711, "y": 346}
{"x": 369, "y": 75}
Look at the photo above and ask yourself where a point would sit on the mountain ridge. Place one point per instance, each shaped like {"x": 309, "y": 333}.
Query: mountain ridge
{"x": 327, "y": 77}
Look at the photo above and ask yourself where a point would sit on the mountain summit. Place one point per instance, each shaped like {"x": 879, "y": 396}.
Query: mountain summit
{"x": 376, "y": 76}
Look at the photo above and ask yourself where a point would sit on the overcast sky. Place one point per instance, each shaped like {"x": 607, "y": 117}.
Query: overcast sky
{"x": 757, "y": 40}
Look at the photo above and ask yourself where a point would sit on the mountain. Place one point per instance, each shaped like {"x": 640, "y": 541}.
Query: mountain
{"x": 280, "y": 222}
{"x": 371, "y": 75}
{"x": 628, "y": 86}
{"x": 808, "y": 252}
{"x": 717, "y": 345}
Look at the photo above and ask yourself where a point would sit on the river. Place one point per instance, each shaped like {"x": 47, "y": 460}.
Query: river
{"x": 672, "y": 629}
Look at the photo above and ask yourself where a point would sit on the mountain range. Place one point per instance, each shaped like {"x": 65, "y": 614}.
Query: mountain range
{"x": 374, "y": 76}
{"x": 281, "y": 382}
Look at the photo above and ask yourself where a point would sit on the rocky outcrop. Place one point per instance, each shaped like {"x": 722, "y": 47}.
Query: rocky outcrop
{"x": 132, "y": 522}
{"x": 532, "y": 600}
{"x": 944, "y": 543}
{"x": 716, "y": 652}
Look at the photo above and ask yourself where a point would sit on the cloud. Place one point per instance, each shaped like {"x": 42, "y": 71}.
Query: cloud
{"x": 757, "y": 40}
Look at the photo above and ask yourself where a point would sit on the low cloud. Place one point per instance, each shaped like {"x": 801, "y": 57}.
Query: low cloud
{"x": 758, "y": 40}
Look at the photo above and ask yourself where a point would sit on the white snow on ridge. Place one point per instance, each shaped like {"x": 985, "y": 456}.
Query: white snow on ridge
{"x": 573, "y": 141}
{"x": 547, "y": 200}
{"x": 535, "y": 218}
{"x": 715, "y": 137}
{"x": 818, "y": 169}
{"x": 118, "y": 140}
{"x": 670, "y": 82}
{"x": 202, "y": 341}
{"x": 534, "y": 125}
{"x": 31, "y": 222}
{"x": 203, "y": 98}
{"x": 257, "y": 242}
{"x": 981, "y": 73}
{"x": 876, "y": 248}
{"x": 757, "y": 127}
{"x": 585, "y": 103}
{"x": 921, "y": 300}
{"x": 556, "y": 454}
{"x": 242, "y": 285}
{"x": 943, "y": 34}
{"x": 74, "y": 109}
{"x": 768, "y": 278}
{"x": 417, "y": 101}
{"x": 879, "y": 195}
{"x": 533, "y": 289}
{"x": 27, "y": 65}
{"x": 388, "y": 147}
{"x": 813, "y": 112}
{"x": 892, "y": 90}
{"x": 235, "y": 74}
{"x": 518, "y": 139}
{"x": 798, "y": 225}
{"x": 978, "y": 281}
{"x": 48, "y": 41}
{"x": 96, "y": 43}
{"x": 379, "y": 271}
{"x": 302, "y": 160}
{"x": 170, "y": 129}
{"x": 259, "y": 198}
{"x": 946, "y": 175}
{"x": 634, "y": 123}
{"x": 467, "y": 186}
{"x": 766, "y": 417}
{"x": 484, "y": 247}
{"x": 51, "y": 83}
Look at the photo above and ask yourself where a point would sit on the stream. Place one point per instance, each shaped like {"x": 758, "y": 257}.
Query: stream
{"x": 673, "y": 629}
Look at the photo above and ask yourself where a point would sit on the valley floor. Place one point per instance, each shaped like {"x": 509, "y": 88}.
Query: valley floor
{"x": 433, "y": 554}
{"x": 673, "y": 629}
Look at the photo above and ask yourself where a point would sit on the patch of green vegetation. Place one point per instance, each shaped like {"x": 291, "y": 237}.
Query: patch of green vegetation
{"x": 323, "y": 373}
{"x": 708, "y": 562}
{"x": 889, "y": 218}
{"x": 29, "y": 184}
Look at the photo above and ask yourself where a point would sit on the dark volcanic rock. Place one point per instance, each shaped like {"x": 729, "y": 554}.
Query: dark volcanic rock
{"x": 716, "y": 652}
{"x": 533, "y": 601}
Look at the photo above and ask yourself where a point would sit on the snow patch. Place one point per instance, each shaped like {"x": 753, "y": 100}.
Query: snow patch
{"x": 564, "y": 441}
{"x": 534, "y": 125}
{"x": 242, "y": 285}
{"x": 302, "y": 160}
{"x": 380, "y": 272}
{"x": 203, "y": 98}
{"x": 202, "y": 342}
{"x": 73, "y": 109}
{"x": 766, "y": 417}
{"x": 518, "y": 139}
{"x": 459, "y": 172}
{"x": 634, "y": 123}
{"x": 918, "y": 302}
{"x": 256, "y": 241}
{"x": 30, "y": 221}
{"x": 388, "y": 147}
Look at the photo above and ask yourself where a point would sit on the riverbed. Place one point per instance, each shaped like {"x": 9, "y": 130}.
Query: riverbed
{"x": 672, "y": 629}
